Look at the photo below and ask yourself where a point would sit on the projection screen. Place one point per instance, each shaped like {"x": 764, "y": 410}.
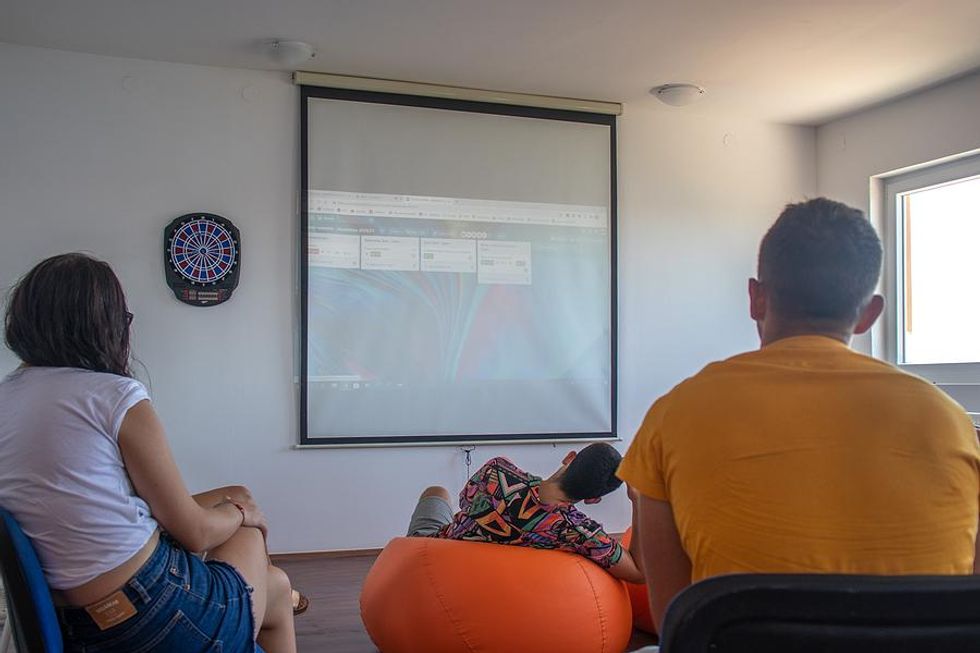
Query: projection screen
{"x": 457, "y": 271}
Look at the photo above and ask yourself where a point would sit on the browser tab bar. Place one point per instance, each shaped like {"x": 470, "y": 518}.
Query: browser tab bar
{"x": 457, "y": 209}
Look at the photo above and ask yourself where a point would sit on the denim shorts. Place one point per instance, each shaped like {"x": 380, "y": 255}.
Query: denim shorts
{"x": 183, "y": 604}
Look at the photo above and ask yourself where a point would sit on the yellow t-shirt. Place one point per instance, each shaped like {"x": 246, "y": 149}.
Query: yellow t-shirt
{"x": 805, "y": 456}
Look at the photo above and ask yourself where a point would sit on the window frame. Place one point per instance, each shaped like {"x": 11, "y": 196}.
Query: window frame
{"x": 894, "y": 185}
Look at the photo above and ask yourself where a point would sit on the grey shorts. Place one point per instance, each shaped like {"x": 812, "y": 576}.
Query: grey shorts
{"x": 431, "y": 514}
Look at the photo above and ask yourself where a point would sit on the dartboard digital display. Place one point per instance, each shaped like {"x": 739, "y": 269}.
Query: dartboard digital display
{"x": 203, "y": 256}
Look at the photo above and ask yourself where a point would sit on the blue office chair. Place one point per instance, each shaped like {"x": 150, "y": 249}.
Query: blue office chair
{"x": 31, "y": 618}
{"x": 811, "y": 613}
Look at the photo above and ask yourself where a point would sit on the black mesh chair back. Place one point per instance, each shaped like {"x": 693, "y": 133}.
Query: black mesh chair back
{"x": 790, "y": 613}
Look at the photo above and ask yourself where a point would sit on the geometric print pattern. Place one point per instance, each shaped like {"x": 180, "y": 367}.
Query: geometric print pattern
{"x": 500, "y": 504}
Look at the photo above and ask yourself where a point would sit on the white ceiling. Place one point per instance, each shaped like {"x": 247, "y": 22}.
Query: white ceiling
{"x": 797, "y": 61}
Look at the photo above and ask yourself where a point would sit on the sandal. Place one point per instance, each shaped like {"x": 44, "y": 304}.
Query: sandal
{"x": 301, "y": 603}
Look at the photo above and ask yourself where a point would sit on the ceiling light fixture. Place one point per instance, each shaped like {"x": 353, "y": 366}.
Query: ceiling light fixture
{"x": 291, "y": 53}
{"x": 678, "y": 95}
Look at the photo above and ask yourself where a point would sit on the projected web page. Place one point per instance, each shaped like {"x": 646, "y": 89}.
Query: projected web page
{"x": 455, "y": 316}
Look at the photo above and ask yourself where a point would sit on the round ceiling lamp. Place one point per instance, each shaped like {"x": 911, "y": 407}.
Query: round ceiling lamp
{"x": 291, "y": 53}
{"x": 678, "y": 95}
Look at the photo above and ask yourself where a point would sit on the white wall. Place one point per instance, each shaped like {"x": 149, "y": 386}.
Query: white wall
{"x": 937, "y": 123}
{"x": 99, "y": 154}
{"x": 940, "y": 122}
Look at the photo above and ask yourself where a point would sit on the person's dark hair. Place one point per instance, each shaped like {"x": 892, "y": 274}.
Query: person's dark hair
{"x": 592, "y": 473}
{"x": 821, "y": 261}
{"x": 70, "y": 311}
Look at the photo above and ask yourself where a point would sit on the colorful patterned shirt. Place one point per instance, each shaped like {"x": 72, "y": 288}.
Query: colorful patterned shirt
{"x": 500, "y": 504}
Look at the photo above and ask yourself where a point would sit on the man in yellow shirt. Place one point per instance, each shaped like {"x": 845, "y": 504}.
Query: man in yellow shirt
{"x": 805, "y": 456}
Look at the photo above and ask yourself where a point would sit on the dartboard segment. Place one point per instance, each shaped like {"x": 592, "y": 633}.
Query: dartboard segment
{"x": 202, "y": 251}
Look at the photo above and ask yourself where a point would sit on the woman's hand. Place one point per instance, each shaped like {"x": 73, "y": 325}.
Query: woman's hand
{"x": 236, "y": 495}
{"x": 254, "y": 517}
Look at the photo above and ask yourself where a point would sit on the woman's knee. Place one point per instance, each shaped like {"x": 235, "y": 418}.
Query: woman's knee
{"x": 238, "y": 492}
{"x": 244, "y": 550}
{"x": 253, "y": 539}
{"x": 278, "y": 584}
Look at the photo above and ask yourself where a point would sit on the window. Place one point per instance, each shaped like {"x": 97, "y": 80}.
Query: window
{"x": 940, "y": 229}
{"x": 933, "y": 220}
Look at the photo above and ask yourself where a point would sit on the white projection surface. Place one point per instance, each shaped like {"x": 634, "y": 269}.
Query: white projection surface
{"x": 458, "y": 275}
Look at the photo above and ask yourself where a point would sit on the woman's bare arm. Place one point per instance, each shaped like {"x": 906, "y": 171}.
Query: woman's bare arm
{"x": 156, "y": 479}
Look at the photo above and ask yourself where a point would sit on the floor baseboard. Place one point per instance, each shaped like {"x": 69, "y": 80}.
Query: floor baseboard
{"x": 317, "y": 555}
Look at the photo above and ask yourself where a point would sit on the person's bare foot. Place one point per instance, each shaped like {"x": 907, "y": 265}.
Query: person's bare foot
{"x": 300, "y": 603}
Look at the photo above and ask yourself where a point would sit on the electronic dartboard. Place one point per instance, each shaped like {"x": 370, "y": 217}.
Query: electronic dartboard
{"x": 202, "y": 258}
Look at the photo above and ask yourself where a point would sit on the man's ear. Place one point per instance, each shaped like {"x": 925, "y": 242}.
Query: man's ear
{"x": 869, "y": 314}
{"x": 569, "y": 457}
{"x": 758, "y": 302}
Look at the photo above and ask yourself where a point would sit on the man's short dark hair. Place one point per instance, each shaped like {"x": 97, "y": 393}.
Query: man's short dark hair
{"x": 821, "y": 261}
{"x": 592, "y": 473}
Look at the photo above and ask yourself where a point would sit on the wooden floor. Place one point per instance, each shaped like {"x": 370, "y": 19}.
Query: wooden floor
{"x": 333, "y": 622}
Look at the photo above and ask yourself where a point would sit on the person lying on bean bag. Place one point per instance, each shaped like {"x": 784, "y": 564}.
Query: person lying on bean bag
{"x": 502, "y": 503}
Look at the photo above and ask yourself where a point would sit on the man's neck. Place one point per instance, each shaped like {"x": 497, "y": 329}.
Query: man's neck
{"x": 773, "y": 333}
{"x": 549, "y": 492}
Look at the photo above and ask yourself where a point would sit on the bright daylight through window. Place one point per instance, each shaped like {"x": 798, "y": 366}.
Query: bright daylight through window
{"x": 938, "y": 272}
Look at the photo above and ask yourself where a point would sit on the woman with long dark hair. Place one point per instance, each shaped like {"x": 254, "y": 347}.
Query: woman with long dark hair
{"x": 87, "y": 472}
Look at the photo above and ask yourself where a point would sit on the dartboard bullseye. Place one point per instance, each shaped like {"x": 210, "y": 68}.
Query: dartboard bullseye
{"x": 202, "y": 258}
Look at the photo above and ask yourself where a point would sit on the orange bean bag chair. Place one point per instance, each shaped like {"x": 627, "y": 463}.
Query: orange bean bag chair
{"x": 426, "y": 595}
{"x": 639, "y": 599}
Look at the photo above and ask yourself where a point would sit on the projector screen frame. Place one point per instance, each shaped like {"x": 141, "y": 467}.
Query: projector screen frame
{"x": 420, "y": 101}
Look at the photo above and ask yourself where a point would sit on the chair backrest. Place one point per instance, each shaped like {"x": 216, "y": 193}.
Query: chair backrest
{"x": 788, "y": 613}
{"x": 29, "y": 608}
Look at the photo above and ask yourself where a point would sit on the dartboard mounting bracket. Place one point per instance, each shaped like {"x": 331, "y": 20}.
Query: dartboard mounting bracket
{"x": 202, "y": 258}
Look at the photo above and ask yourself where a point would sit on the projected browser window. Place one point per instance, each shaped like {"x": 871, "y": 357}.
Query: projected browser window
{"x": 456, "y": 316}
{"x": 457, "y": 271}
